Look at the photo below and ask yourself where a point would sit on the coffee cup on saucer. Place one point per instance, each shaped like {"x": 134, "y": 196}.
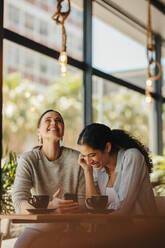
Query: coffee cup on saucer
{"x": 98, "y": 202}
{"x": 39, "y": 201}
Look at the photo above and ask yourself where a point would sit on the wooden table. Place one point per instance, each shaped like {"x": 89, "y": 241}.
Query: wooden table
{"x": 71, "y": 218}
{"x": 77, "y": 217}
{"x": 108, "y": 230}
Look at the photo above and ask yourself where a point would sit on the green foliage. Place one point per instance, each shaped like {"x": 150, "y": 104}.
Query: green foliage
{"x": 158, "y": 175}
{"x": 8, "y": 175}
{"x": 124, "y": 109}
{"x": 12, "y": 81}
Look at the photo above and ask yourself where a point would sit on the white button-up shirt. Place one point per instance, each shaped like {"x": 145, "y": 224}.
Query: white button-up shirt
{"x": 134, "y": 194}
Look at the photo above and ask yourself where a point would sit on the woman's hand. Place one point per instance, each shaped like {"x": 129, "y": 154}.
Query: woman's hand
{"x": 62, "y": 205}
{"x": 84, "y": 165}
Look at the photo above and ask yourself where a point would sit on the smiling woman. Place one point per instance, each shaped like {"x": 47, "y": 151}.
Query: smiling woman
{"x": 117, "y": 165}
{"x": 49, "y": 169}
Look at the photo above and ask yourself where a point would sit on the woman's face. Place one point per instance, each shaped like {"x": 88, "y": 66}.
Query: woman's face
{"x": 51, "y": 126}
{"x": 95, "y": 158}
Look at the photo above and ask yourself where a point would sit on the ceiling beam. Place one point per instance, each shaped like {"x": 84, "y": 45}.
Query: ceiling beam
{"x": 160, "y": 6}
{"x": 125, "y": 13}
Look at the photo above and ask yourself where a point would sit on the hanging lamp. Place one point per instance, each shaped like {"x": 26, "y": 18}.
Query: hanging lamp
{"x": 59, "y": 17}
{"x": 150, "y": 57}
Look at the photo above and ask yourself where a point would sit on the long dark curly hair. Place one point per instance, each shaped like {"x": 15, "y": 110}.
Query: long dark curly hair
{"x": 97, "y": 135}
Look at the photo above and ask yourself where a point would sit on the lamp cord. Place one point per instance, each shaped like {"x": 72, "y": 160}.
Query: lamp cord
{"x": 151, "y": 48}
{"x": 59, "y": 17}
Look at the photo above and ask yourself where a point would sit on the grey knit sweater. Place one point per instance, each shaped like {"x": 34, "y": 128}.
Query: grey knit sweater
{"x": 37, "y": 175}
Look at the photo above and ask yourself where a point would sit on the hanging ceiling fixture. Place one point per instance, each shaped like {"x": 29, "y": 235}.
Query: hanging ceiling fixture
{"x": 150, "y": 59}
{"x": 59, "y": 17}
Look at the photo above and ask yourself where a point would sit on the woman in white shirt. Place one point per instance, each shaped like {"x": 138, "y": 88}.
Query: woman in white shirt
{"x": 117, "y": 165}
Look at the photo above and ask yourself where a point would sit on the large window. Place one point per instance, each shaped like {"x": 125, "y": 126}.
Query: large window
{"x": 119, "y": 49}
{"x": 118, "y": 56}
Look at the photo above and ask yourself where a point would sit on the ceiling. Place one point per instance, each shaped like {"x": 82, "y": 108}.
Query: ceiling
{"x": 130, "y": 17}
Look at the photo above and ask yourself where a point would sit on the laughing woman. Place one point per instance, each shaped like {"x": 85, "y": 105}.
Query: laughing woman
{"x": 117, "y": 165}
{"x": 48, "y": 169}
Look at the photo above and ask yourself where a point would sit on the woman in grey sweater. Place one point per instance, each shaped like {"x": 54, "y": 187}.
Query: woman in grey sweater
{"x": 48, "y": 169}
{"x": 117, "y": 165}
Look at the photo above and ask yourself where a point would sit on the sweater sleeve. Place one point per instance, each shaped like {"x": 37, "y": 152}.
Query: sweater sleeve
{"x": 22, "y": 184}
{"x": 133, "y": 173}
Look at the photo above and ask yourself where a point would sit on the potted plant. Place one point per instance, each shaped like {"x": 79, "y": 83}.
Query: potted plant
{"x": 8, "y": 172}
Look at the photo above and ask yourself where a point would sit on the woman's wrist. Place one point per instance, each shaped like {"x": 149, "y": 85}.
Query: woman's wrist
{"x": 88, "y": 171}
